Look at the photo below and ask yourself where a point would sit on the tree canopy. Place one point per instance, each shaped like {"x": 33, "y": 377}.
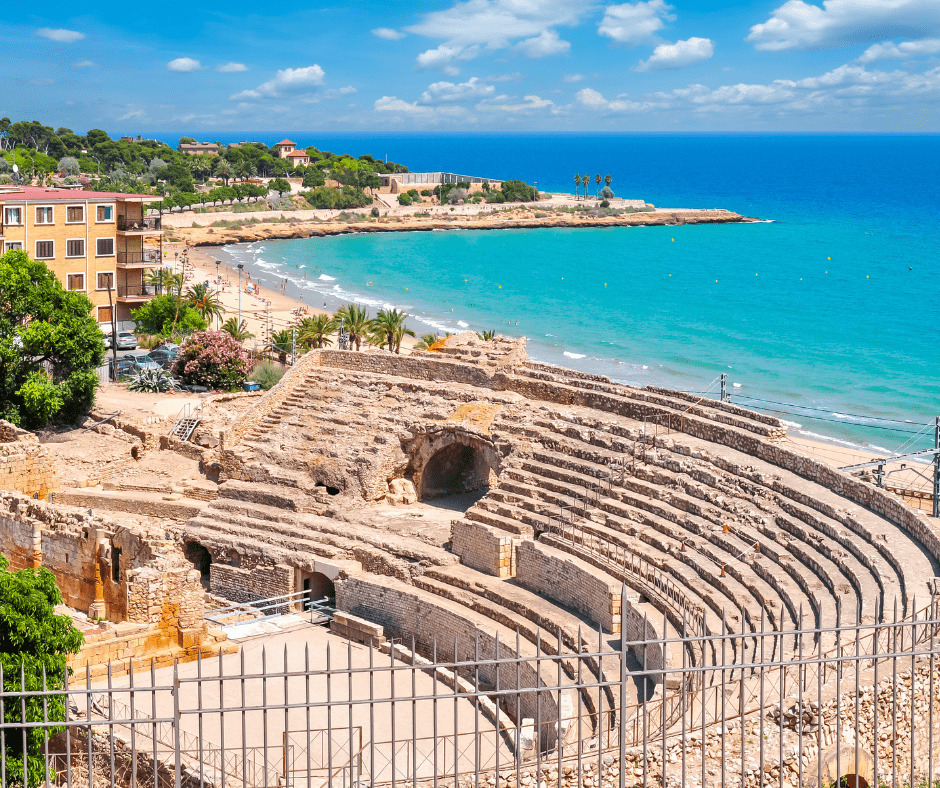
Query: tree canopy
{"x": 49, "y": 346}
{"x": 35, "y": 644}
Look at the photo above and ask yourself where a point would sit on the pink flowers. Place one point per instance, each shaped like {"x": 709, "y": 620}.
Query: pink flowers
{"x": 213, "y": 359}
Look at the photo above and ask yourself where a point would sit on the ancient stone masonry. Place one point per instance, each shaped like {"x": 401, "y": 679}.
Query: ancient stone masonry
{"x": 244, "y": 585}
{"x": 25, "y": 465}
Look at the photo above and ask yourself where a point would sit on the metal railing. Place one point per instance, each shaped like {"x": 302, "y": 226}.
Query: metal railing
{"x": 146, "y": 256}
{"x": 330, "y": 713}
{"x": 138, "y": 224}
{"x": 139, "y": 291}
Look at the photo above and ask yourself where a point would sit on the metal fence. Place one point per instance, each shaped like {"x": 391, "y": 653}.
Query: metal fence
{"x": 864, "y": 712}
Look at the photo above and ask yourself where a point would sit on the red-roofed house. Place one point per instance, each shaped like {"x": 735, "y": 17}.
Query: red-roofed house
{"x": 298, "y": 158}
{"x": 91, "y": 241}
{"x": 285, "y": 147}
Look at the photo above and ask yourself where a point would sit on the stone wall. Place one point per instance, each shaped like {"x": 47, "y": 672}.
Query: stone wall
{"x": 482, "y": 547}
{"x": 25, "y": 465}
{"x": 637, "y": 630}
{"x": 570, "y": 582}
{"x": 250, "y": 585}
{"x": 404, "y": 611}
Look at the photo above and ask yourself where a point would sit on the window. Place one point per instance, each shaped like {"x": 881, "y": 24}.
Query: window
{"x": 13, "y": 216}
{"x": 45, "y": 250}
{"x": 104, "y": 247}
{"x": 44, "y": 216}
{"x": 105, "y": 213}
{"x": 106, "y": 280}
{"x": 75, "y": 281}
{"x": 104, "y": 313}
{"x": 13, "y": 246}
{"x": 75, "y": 214}
{"x": 75, "y": 247}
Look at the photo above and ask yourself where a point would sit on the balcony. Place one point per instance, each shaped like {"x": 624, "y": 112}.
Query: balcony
{"x": 148, "y": 225}
{"x": 137, "y": 293}
{"x": 147, "y": 258}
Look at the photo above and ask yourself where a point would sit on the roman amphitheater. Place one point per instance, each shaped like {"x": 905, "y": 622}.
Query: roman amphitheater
{"x": 469, "y": 505}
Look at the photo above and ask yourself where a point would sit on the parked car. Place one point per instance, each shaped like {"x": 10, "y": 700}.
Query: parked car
{"x": 124, "y": 367}
{"x": 140, "y": 361}
{"x": 165, "y": 358}
{"x": 126, "y": 340}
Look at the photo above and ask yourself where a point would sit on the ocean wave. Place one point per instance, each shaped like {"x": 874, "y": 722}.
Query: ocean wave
{"x": 462, "y": 324}
{"x": 435, "y": 324}
{"x": 736, "y": 385}
{"x": 325, "y": 278}
{"x": 793, "y": 424}
{"x": 574, "y": 355}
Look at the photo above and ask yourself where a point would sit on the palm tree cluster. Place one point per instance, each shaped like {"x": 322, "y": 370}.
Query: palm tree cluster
{"x": 584, "y": 180}
{"x": 385, "y": 330}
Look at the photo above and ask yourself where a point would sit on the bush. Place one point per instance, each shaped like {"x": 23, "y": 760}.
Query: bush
{"x": 267, "y": 374}
{"x": 605, "y": 204}
{"x": 457, "y": 195}
{"x": 413, "y": 194}
{"x": 153, "y": 381}
{"x": 404, "y": 199}
{"x": 168, "y": 315}
{"x": 375, "y": 212}
{"x": 427, "y": 193}
{"x": 495, "y": 196}
{"x": 517, "y": 191}
{"x": 607, "y": 193}
{"x": 213, "y": 359}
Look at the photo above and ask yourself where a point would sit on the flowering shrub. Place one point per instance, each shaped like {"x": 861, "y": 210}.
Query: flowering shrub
{"x": 213, "y": 359}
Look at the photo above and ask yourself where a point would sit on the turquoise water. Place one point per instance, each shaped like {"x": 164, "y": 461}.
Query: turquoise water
{"x": 830, "y": 309}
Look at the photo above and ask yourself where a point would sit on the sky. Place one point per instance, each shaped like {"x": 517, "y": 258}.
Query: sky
{"x": 477, "y": 65}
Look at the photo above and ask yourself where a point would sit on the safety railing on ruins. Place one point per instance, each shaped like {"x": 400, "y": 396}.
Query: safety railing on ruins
{"x": 330, "y": 713}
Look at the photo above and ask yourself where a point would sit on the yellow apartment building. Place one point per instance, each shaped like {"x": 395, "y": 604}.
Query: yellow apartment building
{"x": 93, "y": 242}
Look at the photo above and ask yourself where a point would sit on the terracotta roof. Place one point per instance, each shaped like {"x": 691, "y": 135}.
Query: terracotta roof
{"x": 285, "y": 142}
{"x": 298, "y": 154}
{"x": 43, "y": 194}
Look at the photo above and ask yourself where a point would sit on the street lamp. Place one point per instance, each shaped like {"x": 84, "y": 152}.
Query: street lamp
{"x": 240, "y": 266}
{"x": 218, "y": 285}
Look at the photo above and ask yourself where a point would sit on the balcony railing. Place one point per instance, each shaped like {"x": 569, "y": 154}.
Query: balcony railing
{"x": 144, "y": 257}
{"x": 147, "y": 223}
{"x": 139, "y": 291}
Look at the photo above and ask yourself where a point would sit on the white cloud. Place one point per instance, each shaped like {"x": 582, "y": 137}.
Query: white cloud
{"x": 231, "y": 68}
{"x": 679, "y": 55}
{"x": 448, "y": 91}
{"x": 288, "y": 80}
{"x": 339, "y": 92}
{"x": 394, "y": 104}
{"x": 800, "y": 25}
{"x": 573, "y": 78}
{"x": 134, "y": 113}
{"x": 184, "y": 65}
{"x": 635, "y": 23}
{"x": 59, "y": 34}
{"x": 543, "y": 45}
{"x": 388, "y": 34}
{"x": 906, "y": 49}
{"x": 444, "y": 55}
{"x": 529, "y": 103}
{"x": 85, "y": 64}
{"x": 592, "y": 99}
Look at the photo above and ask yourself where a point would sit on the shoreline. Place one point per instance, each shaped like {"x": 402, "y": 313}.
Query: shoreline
{"x": 258, "y": 225}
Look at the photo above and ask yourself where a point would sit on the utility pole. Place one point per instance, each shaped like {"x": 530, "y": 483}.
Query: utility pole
{"x": 724, "y": 387}
{"x": 113, "y": 331}
{"x": 218, "y": 293}
{"x": 240, "y": 266}
{"x": 293, "y": 346}
{"x": 936, "y": 468}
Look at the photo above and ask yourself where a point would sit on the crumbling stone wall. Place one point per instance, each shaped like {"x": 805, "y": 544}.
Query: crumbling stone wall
{"x": 565, "y": 579}
{"x": 483, "y": 547}
{"x": 25, "y": 465}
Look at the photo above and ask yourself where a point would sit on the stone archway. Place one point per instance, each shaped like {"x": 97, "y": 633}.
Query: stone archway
{"x": 841, "y": 769}
{"x": 450, "y": 459}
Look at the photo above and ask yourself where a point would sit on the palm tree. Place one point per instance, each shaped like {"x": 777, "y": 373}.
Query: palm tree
{"x": 487, "y": 336}
{"x": 223, "y": 169}
{"x": 355, "y": 321}
{"x": 165, "y": 278}
{"x": 281, "y": 343}
{"x": 426, "y": 340}
{"x": 597, "y": 183}
{"x": 315, "y": 331}
{"x": 239, "y": 332}
{"x": 389, "y": 328}
{"x": 584, "y": 182}
{"x": 577, "y": 183}
{"x": 607, "y": 181}
{"x": 205, "y": 302}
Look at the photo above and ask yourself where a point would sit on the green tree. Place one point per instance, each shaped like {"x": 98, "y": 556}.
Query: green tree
{"x": 214, "y": 359}
{"x": 279, "y": 185}
{"x": 168, "y": 316}
{"x": 584, "y": 182}
{"x": 35, "y": 644}
{"x": 205, "y": 302}
{"x": 238, "y": 331}
{"x": 49, "y": 346}
{"x": 426, "y": 340}
{"x": 68, "y": 165}
{"x": 355, "y": 322}
{"x": 389, "y": 327}
{"x": 487, "y": 336}
{"x": 577, "y": 183}
{"x": 315, "y": 331}
{"x": 608, "y": 180}
{"x": 281, "y": 343}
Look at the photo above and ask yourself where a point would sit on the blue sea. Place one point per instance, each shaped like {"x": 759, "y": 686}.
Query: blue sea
{"x": 826, "y": 314}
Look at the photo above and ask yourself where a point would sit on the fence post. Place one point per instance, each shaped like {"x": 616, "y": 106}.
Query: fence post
{"x": 623, "y": 691}
{"x": 178, "y": 756}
